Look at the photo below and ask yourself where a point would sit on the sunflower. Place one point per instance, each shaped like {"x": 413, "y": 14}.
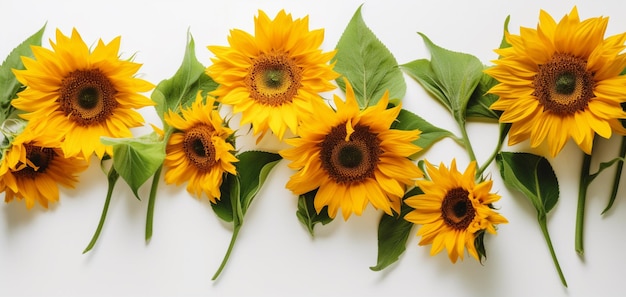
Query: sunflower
{"x": 353, "y": 157}
{"x": 453, "y": 209}
{"x": 83, "y": 95}
{"x": 199, "y": 152}
{"x": 272, "y": 77}
{"x": 33, "y": 166}
{"x": 560, "y": 81}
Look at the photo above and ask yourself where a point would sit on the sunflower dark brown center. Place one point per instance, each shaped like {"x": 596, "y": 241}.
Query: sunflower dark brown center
{"x": 353, "y": 160}
{"x": 457, "y": 210}
{"x": 198, "y": 148}
{"x": 41, "y": 157}
{"x": 274, "y": 79}
{"x": 563, "y": 85}
{"x": 87, "y": 97}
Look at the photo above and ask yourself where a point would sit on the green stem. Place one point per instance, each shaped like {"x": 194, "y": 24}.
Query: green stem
{"x": 230, "y": 248}
{"x": 112, "y": 178}
{"x": 582, "y": 196}
{"x": 544, "y": 229}
{"x": 153, "y": 190}
{"x": 618, "y": 175}
{"x": 466, "y": 140}
{"x": 504, "y": 130}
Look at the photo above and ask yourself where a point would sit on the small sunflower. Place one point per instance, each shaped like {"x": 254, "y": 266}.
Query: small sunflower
{"x": 33, "y": 166}
{"x": 272, "y": 77}
{"x": 353, "y": 157}
{"x": 80, "y": 94}
{"x": 453, "y": 209}
{"x": 560, "y": 81}
{"x": 199, "y": 152}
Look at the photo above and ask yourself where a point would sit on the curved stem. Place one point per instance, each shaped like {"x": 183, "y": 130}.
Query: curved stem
{"x": 504, "y": 130}
{"x": 544, "y": 229}
{"x": 112, "y": 178}
{"x": 227, "y": 255}
{"x": 466, "y": 141}
{"x": 151, "y": 201}
{"x": 582, "y": 197}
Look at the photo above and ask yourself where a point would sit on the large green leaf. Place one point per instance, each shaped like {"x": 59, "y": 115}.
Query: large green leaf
{"x": 182, "y": 88}
{"x": 137, "y": 159}
{"x": 9, "y": 86}
{"x": 457, "y": 75}
{"x": 367, "y": 64}
{"x": 393, "y": 233}
{"x": 533, "y": 176}
{"x": 307, "y": 214}
{"x": 407, "y": 120}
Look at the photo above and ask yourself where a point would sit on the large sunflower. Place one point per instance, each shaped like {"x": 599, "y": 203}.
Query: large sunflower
{"x": 353, "y": 157}
{"x": 453, "y": 209}
{"x": 560, "y": 81}
{"x": 33, "y": 166}
{"x": 80, "y": 94}
{"x": 199, "y": 152}
{"x": 272, "y": 77}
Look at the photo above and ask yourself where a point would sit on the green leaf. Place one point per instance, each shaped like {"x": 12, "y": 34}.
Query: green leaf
{"x": 422, "y": 72}
{"x": 367, "y": 64}
{"x": 307, "y": 214}
{"x": 228, "y": 188}
{"x": 504, "y": 43}
{"x": 9, "y": 86}
{"x": 393, "y": 233}
{"x": 533, "y": 176}
{"x": 136, "y": 159}
{"x": 603, "y": 166}
{"x": 456, "y": 74}
{"x": 478, "y": 105}
{"x": 407, "y": 120}
{"x": 617, "y": 177}
{"x": 253, "y": 168}
{"x": 182, "y": 88}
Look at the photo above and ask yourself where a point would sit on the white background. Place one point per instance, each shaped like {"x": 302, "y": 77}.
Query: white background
{"x": 40, "y": 250}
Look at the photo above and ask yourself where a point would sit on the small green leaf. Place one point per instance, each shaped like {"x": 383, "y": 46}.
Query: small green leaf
{"x": 479, "y": 244}
{"x": 9, "y": 86}
{"x": 307, "y": 214}
{"x": 137, "y": 159}
{"x": 478, "y": 106}
{"x": 182, "y": 88}
{"x": 603, "y": 166}
{"x": 407, "y": 120}
{"x": 617, "y": 177}
{"x": 393, "y": 233}
{"x": 504, "y": 43}
{"x": 367, "y": 64}
{"x": 533, "y": 176}
{"x": 457, "y": 75}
